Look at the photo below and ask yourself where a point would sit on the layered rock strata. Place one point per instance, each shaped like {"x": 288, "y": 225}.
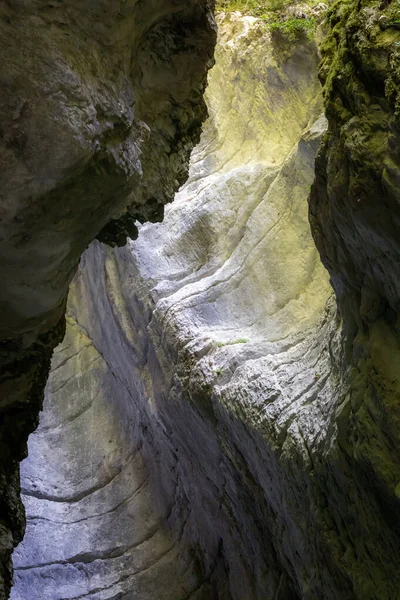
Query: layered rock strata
{"x": 188, "y": 447}
{"x": 100, "y": 105}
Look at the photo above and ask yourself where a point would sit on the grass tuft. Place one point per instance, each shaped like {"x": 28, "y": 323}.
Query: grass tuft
{"x": 232, "y": 342}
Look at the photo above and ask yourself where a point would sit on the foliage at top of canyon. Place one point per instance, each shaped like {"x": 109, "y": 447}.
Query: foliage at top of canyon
{"x": 292, "y": 19}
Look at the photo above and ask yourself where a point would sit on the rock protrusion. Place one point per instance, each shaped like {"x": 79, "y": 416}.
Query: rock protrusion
{"x": 100, "y": 106}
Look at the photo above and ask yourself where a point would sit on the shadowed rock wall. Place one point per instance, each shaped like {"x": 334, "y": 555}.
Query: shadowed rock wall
{"x": 355, "y": 218}
{"x": 276, "y": 428}
{"x": 205, "y": 346}
{"x": 97, "y": 115}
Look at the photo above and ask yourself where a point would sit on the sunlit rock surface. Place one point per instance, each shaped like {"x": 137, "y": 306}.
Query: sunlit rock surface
{"x": 100, "y": 105}
{"x": 203, "y": 399}
{"x": 189, "y": 404}
{"x": 192, "y": 442}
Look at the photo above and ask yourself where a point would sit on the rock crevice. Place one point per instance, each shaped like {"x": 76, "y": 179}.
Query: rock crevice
{"x": 215, "y": 334}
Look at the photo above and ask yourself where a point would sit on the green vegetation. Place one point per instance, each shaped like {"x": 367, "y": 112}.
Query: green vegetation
{"x": 293, "y": 27}
{"x": 255, "y": 8}
{"x": 278, "y": 15}
{"x": 232, "y": 342}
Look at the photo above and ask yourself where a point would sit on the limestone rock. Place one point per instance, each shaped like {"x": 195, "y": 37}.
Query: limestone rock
{"x": 204, "y": 354}
{"x": 212, "y": 345}
{"x": 97, "y": 115}
{"x": 355, "y": 217}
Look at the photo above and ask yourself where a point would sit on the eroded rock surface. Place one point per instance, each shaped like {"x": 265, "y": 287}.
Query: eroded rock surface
{"x": 355, "y": 218}
{"x": 103, "y": 517}
{"x": 206, "y": 345}
{"x": 98, "y": 114}
{"x": 216, "y": 337}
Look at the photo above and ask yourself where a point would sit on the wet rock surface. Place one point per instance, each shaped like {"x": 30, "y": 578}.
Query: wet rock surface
{"x": 97, "y": 117}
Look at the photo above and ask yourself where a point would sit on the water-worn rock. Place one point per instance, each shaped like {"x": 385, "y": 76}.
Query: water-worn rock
{"x": 99, "y": 524}
{"x": 205, "y": 345}
{"x": 100, "y": 105}
{"x": 277, "y": 431}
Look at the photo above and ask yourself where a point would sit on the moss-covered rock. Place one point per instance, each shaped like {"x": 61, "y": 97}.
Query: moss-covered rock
{"x": 355, "y": 220}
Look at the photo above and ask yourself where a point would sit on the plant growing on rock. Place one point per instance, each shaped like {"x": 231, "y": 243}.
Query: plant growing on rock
{"x": 292, "y": 28}
{"x": 289, "y": 17}
{"x": 232, "y": 342}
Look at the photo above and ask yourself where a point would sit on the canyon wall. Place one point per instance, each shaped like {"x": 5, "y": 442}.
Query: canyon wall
{"x": 216, "y": 425}
{"x": 187, "y": 409}
{"x": 355, "y": 219}
{"x": 97, "y": 116}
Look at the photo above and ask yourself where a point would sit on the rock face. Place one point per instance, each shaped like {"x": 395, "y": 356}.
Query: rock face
{"x": 354, "y": 204}
{"x": 187, "y": 413}
{"x": 97, "y": 115}
{"x": 210, "y": 430}
{"x": 355, "y": 218}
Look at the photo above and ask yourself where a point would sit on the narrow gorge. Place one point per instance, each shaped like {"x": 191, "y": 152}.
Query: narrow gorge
{"x": 222, "y": 416}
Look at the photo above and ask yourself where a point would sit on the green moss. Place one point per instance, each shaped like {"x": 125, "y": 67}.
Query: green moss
{"x": 373, "y": 35}
{"x": 232, "y": 342}
{"x": 292, "y": 28}
{"x": 275, "y": 15}
{"x": 260, "y": 8}
{"x": 333, "y": 49}
{"x": 255, "y": 8}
